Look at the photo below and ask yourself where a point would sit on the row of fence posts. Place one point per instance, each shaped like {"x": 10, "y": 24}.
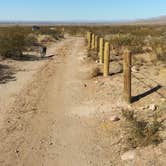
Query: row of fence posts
{"x": 103, "y": 48}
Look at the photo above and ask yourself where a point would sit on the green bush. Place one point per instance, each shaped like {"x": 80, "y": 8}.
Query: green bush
{"x": 13, "y": 41}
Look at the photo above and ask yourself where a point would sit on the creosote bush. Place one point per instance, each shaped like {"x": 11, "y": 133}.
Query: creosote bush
{"x": 95, "y": 72}
{"x": 55, "y": 33}
{"x": 92, "y": 55}
{"x": 14, "y": 40}
{"x": 142, "y": 133}
{"x": 139, "y": 39}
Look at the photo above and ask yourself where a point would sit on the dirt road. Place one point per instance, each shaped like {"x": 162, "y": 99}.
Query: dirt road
{"x": 50, "y": 124}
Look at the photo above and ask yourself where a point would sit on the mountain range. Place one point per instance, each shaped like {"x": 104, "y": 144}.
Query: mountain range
{"x": 150, "y": 21}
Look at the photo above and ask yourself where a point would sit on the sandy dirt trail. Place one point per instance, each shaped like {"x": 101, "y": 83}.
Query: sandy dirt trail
{"x": 50, "y": 124}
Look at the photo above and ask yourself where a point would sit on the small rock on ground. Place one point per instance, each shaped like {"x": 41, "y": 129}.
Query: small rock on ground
{"x": 135, "y": 69}
{"x": 115, "y": 68}
{"x": 152, "y": 107}
{"x": 129, "y": 155}
{"x": 114, "y": 118}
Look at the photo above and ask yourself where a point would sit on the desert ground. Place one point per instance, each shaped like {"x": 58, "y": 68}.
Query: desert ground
{"x": 57, "y": 112}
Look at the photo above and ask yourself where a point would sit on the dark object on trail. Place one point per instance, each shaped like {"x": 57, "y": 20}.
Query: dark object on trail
{"x": 34, "y": 28}
{"x": 43, "y": 51}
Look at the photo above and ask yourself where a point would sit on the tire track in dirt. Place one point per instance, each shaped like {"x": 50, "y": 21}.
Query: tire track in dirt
{"x": 26, "y": 109}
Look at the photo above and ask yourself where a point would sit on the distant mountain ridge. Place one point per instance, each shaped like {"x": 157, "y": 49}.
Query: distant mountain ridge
{"x": 154, "y": 20}
{"x": 150, "y": 21}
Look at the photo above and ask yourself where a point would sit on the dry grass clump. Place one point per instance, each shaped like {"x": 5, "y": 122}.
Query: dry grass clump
{"x": 95, "y": 72}
{"x": 93, "y": 55}
{"x": 142, "y": 133}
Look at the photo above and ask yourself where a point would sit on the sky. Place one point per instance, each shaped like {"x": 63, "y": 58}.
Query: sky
{"x": 80, "y": 10}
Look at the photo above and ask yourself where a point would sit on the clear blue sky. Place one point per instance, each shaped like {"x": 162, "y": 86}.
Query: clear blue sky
{"x": 80, "y": 10}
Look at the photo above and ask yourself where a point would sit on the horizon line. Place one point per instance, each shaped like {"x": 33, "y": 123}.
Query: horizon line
{"x": 86, "y": 20}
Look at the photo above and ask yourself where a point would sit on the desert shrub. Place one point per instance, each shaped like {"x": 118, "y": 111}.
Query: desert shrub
{"x": 76, "y": 30}
{"x": 95, "y": 72}
{"x": 56, "y": 34}
{"x": 138, "y": 38}
{"x": 129, "y": 115}
{"x": 159, "y": 48}
{"x": 144, "y": 133}
{"x": 141, "y": 132}
{"x": 93, "y": 55}
{"x": 134, "y": 43}
{"x": 13, "y": 41}
{"x": 30, "y": 40}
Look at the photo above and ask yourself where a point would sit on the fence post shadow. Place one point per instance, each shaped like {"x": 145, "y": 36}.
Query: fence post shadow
{"x": 144, "y": 94}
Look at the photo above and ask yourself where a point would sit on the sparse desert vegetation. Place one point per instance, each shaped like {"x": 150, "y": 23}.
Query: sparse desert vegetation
{"x": 15, "y": 40}
{"x": 51, "y": 105}
{"x": 147, "y": 40}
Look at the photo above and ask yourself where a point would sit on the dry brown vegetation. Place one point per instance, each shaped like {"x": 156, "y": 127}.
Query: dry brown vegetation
{"x": 142, "y": 133}
{"x": 15, "y": 40}
{"x": 139, "y": 39}
{"x": 149, "y": 40}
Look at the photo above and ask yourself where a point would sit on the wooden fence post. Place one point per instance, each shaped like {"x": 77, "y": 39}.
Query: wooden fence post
{"x": 101, "y": 51}
{"x": 93, "y": 41}
{"x": 89, "y": 38}
{"x": 106, "y": 59}
{"x": 96, "y": 43}
{"x": 127, "y": 75}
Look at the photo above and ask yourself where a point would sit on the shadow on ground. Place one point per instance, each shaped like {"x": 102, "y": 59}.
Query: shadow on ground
{"x": 147, "y": 93}
{"x": 6, "y": 74}
{"x": 27, "y": 57}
